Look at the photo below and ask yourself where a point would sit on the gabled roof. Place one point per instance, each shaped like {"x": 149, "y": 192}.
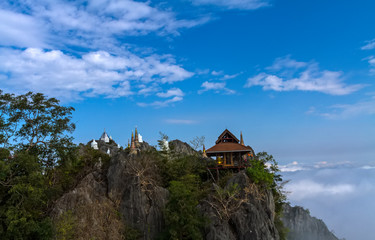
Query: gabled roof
{"x": 229, "y": 147}
{"x": 219, "y": 139}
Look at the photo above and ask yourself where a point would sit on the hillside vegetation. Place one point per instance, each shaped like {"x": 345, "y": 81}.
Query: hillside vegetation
{"x": 53, "y": 189}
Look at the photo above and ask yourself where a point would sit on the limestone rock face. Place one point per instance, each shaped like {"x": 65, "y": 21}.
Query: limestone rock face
{"x": 181, "y": 147}
{"x": 87, "y": 211}
{"x": 253, "y": 219}
{"x": 303, "y": 226}
{"x": 144, "y": 146}
{"x": 141, "y": 204}
{"x": 118, "y": 189}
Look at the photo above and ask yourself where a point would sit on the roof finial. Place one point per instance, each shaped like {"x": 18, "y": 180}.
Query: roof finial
{"x": 132, "y": 142}
{"x": 241, "y": 141}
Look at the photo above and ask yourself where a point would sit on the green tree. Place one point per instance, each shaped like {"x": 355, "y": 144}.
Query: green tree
{"x": 34, "y": 135}
{"x": 36, "y": 124}
{"x": 23, "y": 198}
{"x": 182, "y": 216}
{"x": 264, "y": 171}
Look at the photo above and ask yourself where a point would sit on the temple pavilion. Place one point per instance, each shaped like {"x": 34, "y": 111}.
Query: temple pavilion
{"x": 229, "y": 152}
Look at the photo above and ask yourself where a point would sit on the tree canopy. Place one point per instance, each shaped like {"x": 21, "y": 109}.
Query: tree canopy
{"x": 34, "y": 138}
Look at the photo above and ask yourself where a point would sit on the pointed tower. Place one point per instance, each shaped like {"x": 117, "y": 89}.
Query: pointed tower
{"x": 128, "y": 143}
{"x": 105, "y": 137}
{"x": 136, "y": 136}
{"x": 204, "y": 151}
{"x": 241, "y": 141}
{"x": 132, "y": 146}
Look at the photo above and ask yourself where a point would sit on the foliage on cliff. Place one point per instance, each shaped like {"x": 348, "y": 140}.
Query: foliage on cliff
{"x": 264, "y": 172}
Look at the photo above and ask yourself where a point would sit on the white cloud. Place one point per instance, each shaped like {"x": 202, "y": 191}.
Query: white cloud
{"x": 216, "y": 86}
{"x": 286, "y": 62}
{"x": 292, "y": 167}
{"x": 234, "y": 4}
{"x": 307, "y": 77}
{"x": 217, "y": 73}
{"x": 213, "y": 86}
{"x": 227, "y": 76}
{"x": 148, "y": 90}
{"x": 340, "y": 111}
{"x": 367, "y": 167}
{"x": 222, "y": 76}
{"x": 95, "y": 73}
{"x": 369, "y": 45}
{"x": 335, "y": 195}
{"x": 171, "y": 92}
{"x": 371, "y": 62}
{"x": 20, "y": 30}
{"x": 159, "y": 104}
{"x": 98, "y": 22}
{"x": 180, "y": 121}
{"x": 309, "y": 189}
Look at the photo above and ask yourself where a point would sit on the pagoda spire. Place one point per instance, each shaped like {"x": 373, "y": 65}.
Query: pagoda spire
{"x": 128, "y": 143}
{"x": 241, "y": 141}
{"x": 204, "y": 151}
{"x": 132, "y": 142}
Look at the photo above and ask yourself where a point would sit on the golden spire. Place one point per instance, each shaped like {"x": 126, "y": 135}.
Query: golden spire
{"x": 132, "y": 142}
{"x": 204, "y": 151}
{"x": 128, "y": 143}
{"x": 241, "y": 142}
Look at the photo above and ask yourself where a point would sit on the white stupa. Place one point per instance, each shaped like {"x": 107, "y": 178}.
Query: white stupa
{"x": 94, "y": 144}
{"x": 104, "y": 137}
{"x": 165, "y": 145}
{"x": 109, "y": 152}
{"x": 140, "y": 138}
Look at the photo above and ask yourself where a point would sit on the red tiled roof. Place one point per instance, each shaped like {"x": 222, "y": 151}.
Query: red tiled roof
{"x": 228, "y": 147}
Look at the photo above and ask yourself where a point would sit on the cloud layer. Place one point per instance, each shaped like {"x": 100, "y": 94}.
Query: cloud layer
{"x": 234, "y": 4}
{"x": 94, "y": 73}
{"x": 342, "y": 111}
{"x": 75, "y": 49}
{"x": 96, "y": 22}
{"x": 335, "y": 192}
{"x": 290, "y": 75}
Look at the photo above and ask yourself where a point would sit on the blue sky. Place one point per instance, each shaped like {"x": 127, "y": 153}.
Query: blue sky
{"x": 296, "y": 77}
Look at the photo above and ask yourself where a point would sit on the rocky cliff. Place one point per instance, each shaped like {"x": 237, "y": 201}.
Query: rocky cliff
{"x": 125, "y": 197}
{"x": 249, "y": 216}
{"x": 303, "y": 226}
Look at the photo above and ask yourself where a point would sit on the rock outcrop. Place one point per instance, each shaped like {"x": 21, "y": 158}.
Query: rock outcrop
{"x": 86, "y": 212}
{"x": 303, "y": 226}
{"x": 121, "y": 188}
{"x": 252, "y": 218}
{"x": 132, "y": 184}
{"x": 126, "y": 194}
{"x": 181, "y": 147}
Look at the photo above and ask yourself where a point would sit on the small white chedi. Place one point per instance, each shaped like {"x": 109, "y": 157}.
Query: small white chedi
{"x": 94, "y": 144}
{"x": 165, "y": 145}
